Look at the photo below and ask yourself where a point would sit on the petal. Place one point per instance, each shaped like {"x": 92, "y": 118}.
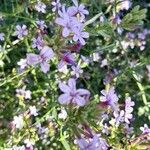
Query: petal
{"x": 32, "y": 59}
{"x": 75, "y": 2}
{"x": 18, "y": 27}
{"x": 80, "y": 101}
{"x": 60, "y": 21}
{"x": 47, "y": 52}
{"x": 72, "y": 11}
{"x": 64, "y": 88}
{"x": 44, "y": 67}
{"x": 75, "y": 38}
{"x": 61, "y": 64}
{"x": 85, "y": 34}
{"x": 64, "y": 99}
{"x": 82, "y": 41}
{"x": 83, "y": 92}
{"x": 72, "y": 84}
{"x": 65, "y": 32}
{"x": 24, "y": 27}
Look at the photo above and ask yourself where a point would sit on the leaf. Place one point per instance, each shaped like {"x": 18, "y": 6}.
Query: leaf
{"x": 134, "y": 19}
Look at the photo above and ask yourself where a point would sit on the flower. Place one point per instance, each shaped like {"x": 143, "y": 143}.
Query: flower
{"x": 79, "y": 34}
{"x": 66, "y": 22}
{"x": 38, "y": 42}
{"x": 41, "y": 24}
{"x": 40, "y": 7}
{"x": 76, "y": 70}
{"x": 96, "y": 143}
{"x": 18, "y": 122}
{"x": 22, "y": 92}
{"x": 119, "y": 117}
{"x": 77, "y": 9}
{"x": 62, "y": 114}
{"x": 56, "y": 4}
{"x": 29, "y": 144}
{"x": 109, "y": 98}
{"x": 15, "y": 147}
{"x": 66, "y": 58}
{"x": 145, "y": 129}
{"x": 45, "y": 55}
{"x": 21, "y": 31}
{"x": 73, "y": 95}
{"x": 124, "y": 5}
{"x": 22, "y": 63}
{"x": 2, "y": 36}
{"x": 128, "y": 110}
{"x": 104, "y": 63}
{"x": 33, "y": 110}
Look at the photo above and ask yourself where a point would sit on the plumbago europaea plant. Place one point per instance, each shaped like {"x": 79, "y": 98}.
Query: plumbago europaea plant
{"x": 72, "y": 75}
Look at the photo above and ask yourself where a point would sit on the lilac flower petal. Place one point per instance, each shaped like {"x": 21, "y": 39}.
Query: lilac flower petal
{"x": 72, "y": 84}
{"x": 32, "y": 59}
{"x": 64, "y": 99}
{"x": 72, "y": 11}
{"x": 61, "y": 64}
{"x": 80, "y": 101}
{"x": 47, "y": 53}
{"x": 83, "y": 92}
{"x": 65, "y": 32}
{"x": 64, "y": 88}
{"x": 60, "y": 21}
{"x": 45, "y": 67}
{"x": 85, "y": 34}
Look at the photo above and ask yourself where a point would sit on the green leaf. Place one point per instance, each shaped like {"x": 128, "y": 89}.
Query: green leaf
{"x": 134, "y": 19}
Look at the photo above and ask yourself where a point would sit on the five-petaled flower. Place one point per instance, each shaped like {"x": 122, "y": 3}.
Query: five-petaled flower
{"x": 21, "y": 31}
{"x": 72, "y": 95}
{"x": 42, "y": 59}
{"x": 109, "y": 98}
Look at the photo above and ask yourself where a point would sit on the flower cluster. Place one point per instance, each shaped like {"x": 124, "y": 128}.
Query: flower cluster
{"x": 59, "y": 91}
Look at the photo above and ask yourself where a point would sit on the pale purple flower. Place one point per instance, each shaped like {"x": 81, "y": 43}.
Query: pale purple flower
{"x": 73, "y": 95}
{"x": 79, "y": 34}
{"x": 105, "y": 129}
{"x": 145, "y": 129}
{"x": 29, "y": 144}
{"x": 15, "y": 147}
{"x": 104, "y": 63}
{"x": 124, "y": 5}
{"x": 56, "y": 5}
{"x": 22, "y": 63}
{"x": 66, "y": 22}
{"x": 2, "y": 36}
{"x": 128, "y": 109}
{"x": 42, "y": 131}
{"x": 42, "y": 59}
{"x": 96, "y": 143}
{"x": 109, "y": 98}
{"x": 21, "y": 31}
{"x": 78, "y": 9}
{"x": 62, "y": 114}
{"x": 26, "y": 94}
{"x": 66, "y": 58}
{"x": 76, "y": 70}
{"x": 33, "y": 110}
{"x": 119, "y": 117}
{"x": 128, "y": 129}
{"x": 18, "y": 122}
{"x": 41, "y": 24}
{"x": 38, "y": 42}
{"x": 40, "y": 7}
